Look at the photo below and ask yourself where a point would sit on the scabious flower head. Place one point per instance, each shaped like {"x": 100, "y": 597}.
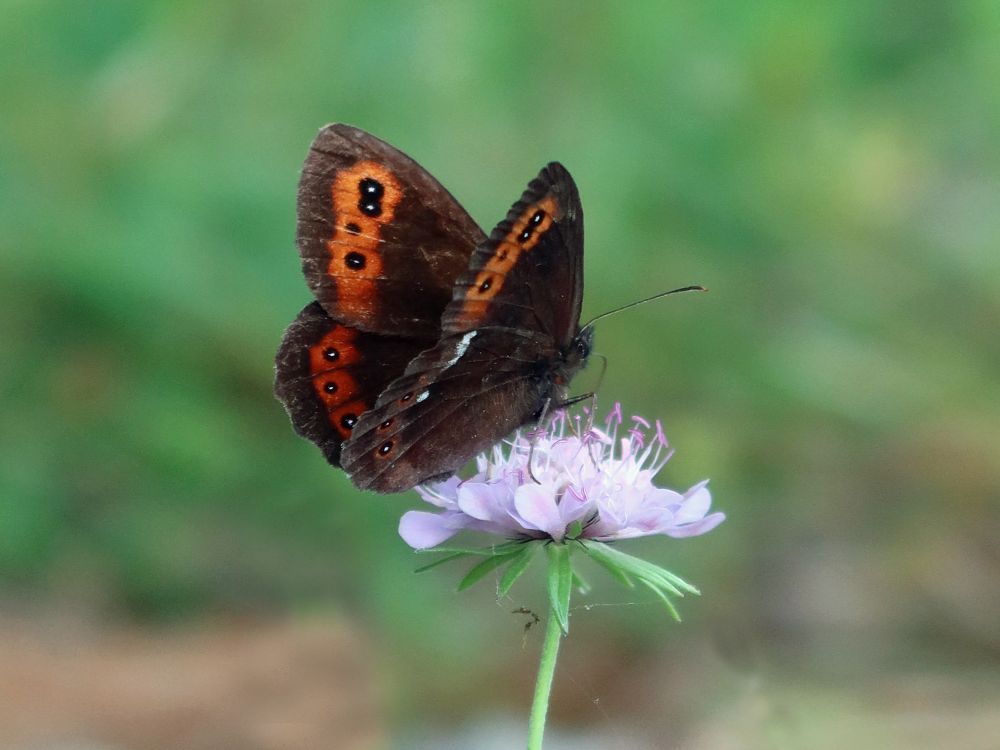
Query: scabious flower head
{"x": 583, "y": 482}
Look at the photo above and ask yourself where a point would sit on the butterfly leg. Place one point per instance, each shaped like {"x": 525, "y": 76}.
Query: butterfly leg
{"x": 543, "y": 415}
{"x": 577, "y": 399}
{"x": 583, "y": 397}
{"x": 539, "y": 425}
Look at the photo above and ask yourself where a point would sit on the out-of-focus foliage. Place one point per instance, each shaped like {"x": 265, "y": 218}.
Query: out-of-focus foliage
{"x": 831, "y": 172}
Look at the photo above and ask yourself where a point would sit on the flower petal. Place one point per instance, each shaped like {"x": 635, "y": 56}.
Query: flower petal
{"x": 574, "y": 505}
{"x": 477, "y": 499}
{"x": 697, "y": 501}
{"x": 536, "y": 505}
{"x": 442, "y": 494}
{"x": 699, "y": 527}
{"x": 421, "y": 530}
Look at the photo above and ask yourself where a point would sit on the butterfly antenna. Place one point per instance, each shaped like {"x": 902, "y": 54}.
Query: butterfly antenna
{"x": 694, "y": 288}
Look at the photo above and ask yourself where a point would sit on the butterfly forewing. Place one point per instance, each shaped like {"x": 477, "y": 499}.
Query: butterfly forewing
{"x": 503, "y": 352}
{"x": 381, "y": 240}
{"x": 529, "y": 274}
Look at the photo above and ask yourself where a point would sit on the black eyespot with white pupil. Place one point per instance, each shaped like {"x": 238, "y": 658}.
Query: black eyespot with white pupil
{"x": 330, "y": 354}
{"x": 354, "y": 260}
{"x": 371, "y": 188}
{"x": 386, "y": 424}
{"x": 371, "y": 191}
{"x": 384, "y": 449}
{"x": 533, "y": 222}
{"x": 330, "y": 387}
{"x": 348, "y": 421}
{"x": 485, "y": 286}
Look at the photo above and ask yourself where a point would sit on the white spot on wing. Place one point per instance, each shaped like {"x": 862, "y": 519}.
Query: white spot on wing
{"x": 423, "y": 396}
{"x": 462, "y": 347}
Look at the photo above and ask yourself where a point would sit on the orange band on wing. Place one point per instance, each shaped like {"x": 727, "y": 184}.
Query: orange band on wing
{"x": 345, "y": 417}
{"x": 524, "y": 235}
{"x": 365, "y": 197}
{"x": 336, "y": 389}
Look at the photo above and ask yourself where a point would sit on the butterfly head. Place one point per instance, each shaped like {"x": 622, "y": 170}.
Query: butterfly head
{"x": 583, "y": 344}
{"x": 574, "y": 356}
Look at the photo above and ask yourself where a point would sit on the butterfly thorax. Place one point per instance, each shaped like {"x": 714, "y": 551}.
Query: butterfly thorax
{"x": 570, "y": 360}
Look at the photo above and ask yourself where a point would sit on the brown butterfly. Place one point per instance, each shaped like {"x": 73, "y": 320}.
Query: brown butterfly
{"x": 428, "y": 341}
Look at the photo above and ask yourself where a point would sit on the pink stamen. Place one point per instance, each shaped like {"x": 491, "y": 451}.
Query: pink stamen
{"x": 615, "y": 415}
{"x": 638, "y": 436}
{"x": 660, "y": 434}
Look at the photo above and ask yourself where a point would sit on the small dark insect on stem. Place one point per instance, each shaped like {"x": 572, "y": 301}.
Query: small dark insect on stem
{"x": 533, "y": 619}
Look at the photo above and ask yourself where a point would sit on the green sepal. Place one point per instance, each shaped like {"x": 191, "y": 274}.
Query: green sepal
{"x": 518, "y": 565}
{"x": 617, "y": 573}
{"x": 665, "y": 599}
{"x": 560, "y": 582}
{"x": 486, "y": 566}
{"x": 440, "y": 561}
{"x": 625, "y": 567}
{"x": 454, "y": 553}
{"x": 492, "y": 549}
{"x": 645, "y": 571}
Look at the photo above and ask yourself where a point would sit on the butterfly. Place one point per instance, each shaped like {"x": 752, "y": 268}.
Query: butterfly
{"x": 428, "y": 341}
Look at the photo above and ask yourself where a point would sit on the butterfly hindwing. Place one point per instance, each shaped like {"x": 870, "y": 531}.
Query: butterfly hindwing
{"x": 328, "y": 374}
{"x": 381, "y": 240}
{"x": 455, "y": 400}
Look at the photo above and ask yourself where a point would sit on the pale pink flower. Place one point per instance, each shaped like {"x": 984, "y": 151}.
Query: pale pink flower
{"x": 585, "y": 483}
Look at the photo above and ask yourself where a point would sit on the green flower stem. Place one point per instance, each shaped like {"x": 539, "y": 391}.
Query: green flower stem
{"x": 543, "y": 687}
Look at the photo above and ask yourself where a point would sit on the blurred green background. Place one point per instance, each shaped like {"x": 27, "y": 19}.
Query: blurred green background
{"x": 830, "y": 171}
